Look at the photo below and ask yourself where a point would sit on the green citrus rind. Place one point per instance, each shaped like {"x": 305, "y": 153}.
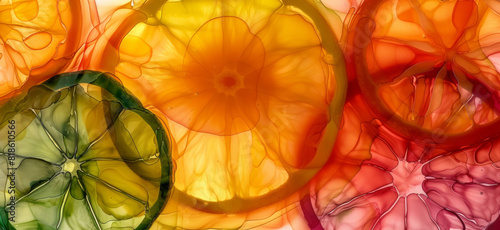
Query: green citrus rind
{"x": 80, "y": 160}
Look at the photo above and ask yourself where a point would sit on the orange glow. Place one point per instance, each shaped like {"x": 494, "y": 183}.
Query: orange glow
{"x": 247, "y": 89}
{"x": 426, "y": 65}
{"x": 39, "y": 39}
{"x": 280, "y": 114}
{"x": 221, "y": 71}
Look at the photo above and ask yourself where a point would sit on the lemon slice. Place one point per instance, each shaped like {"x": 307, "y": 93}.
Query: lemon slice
{"x": 82, "y": 153}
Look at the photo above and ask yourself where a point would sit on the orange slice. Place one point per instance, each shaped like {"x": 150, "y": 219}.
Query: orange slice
{"x": 252, "y": 91}
{"x": 429, "y": 68}
{"x": 38, "y": 39}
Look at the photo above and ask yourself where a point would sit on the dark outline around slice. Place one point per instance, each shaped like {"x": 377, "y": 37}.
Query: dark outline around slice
{"x": 128, "y": 102}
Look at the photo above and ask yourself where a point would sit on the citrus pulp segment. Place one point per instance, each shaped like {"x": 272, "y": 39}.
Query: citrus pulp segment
{"x": 40, "y": 38}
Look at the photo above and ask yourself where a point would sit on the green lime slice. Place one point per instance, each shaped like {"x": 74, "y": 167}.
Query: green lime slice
{"x": 80, "y": 152}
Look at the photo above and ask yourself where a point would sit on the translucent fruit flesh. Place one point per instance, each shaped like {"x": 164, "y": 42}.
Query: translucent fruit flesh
{"x": 428, "y": 68}
{"x": 401, "y": 183}
{"x": 88, "y": 156}
{"x": 249, "y": 88}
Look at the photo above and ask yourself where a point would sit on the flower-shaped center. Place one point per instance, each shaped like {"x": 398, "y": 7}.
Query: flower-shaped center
{"x": 408, "y": 178}
{"x": 221, "y": 69}
{"x": 228, "y": 82}
{"x": 71, "y": 165}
